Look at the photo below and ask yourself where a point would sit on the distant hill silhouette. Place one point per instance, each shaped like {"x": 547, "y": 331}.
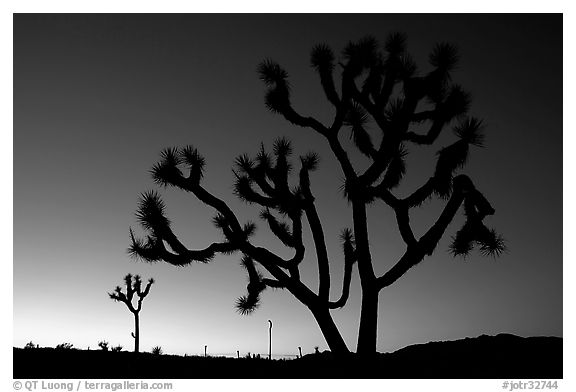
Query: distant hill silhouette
{"x": 500, "y": 356}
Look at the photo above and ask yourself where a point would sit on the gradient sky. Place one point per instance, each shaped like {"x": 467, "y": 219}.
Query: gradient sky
{"x": 96, "y": 97}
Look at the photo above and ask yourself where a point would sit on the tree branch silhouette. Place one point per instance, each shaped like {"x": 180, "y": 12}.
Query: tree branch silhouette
{"x": 262, "y": 182}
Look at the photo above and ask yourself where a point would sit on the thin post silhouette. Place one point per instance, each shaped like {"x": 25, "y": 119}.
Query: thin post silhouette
{"x": 133, "y": 288}
{"x": 238, "y": 353}
{"x": 300, "y": 351}
{"x": 205, "y": 348}
{"x": 270, "y": 343}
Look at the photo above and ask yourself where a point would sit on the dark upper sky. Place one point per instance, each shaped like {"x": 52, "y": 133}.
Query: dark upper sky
{"x": 97, "y": 97}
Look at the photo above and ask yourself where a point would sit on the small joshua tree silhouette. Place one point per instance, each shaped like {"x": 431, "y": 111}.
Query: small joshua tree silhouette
{"x": 133, "y": 286}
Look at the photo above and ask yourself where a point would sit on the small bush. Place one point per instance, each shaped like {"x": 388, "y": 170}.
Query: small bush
{"x": 103, "y": 345}
{"x": 157, "y": 350}
{"x": 117, "y": 349}
{"x": 30, "y": 345}
{"x": 64, "y": 346}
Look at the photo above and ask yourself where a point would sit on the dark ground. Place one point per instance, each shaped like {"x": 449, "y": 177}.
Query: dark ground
{"x": 501, "y": 356}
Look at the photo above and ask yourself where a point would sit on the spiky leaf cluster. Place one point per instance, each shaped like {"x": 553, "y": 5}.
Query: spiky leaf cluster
{"x": 133, "y": 287}
{"x": 279, "y": 228}
{"x": 264, "y": 180}
{"x": 455, "y": 156}
{"x": 350, "y": 258}
{"x": 276, "y": 78}
{"x": 174, "y": 162}
{"x": 357, "y": 119}
{"x": 453, "y": 103}
{"x": 151, "y": 212}
{"x": 470, "y": 131}
{"x": 444, "y": 57}
{"x": 348, "y": 246}
{"x": 310, "y": 161}
{"x": 322, "y": 58}
{"x": 395, "y": 43}
{"x": 248, "y": 303}
{"x": 396, "y": 169}
{"x": 474, "y": 233}
{"x": 361, "y": 55}
{"x": 148, "y": 249}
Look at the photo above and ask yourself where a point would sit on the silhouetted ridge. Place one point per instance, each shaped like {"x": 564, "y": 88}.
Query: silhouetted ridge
{"x": 501, "y": 356}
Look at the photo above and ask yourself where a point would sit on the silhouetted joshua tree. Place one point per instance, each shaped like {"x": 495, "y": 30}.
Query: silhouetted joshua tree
{"x": 133, "y": 286}
{"x": 377, "y": 89}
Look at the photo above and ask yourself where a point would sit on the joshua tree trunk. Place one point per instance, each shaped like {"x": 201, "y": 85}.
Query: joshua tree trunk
{"x": 367, "y": 334}
{"x": 330, "y": 331}
{"x": 323, "y": 318}
{"x": 369, "y": 312}
{"x": 136, "y": 334}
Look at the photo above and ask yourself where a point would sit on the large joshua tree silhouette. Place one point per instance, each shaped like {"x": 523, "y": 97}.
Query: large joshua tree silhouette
{"x": 381, "y": 89}
{"x": 133, "y": 286}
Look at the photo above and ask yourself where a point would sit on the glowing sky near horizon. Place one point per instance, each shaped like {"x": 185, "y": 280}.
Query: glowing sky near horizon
{"x": 96, "y": 97}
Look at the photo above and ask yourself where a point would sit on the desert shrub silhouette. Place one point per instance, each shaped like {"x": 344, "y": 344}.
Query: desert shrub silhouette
{"x": 64, "y": 346}
{"x": 103, "y": 345}
{"x": 30, "y": 345}
{"x": 378, "y": 87}
{"x": 133, "y": 287}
